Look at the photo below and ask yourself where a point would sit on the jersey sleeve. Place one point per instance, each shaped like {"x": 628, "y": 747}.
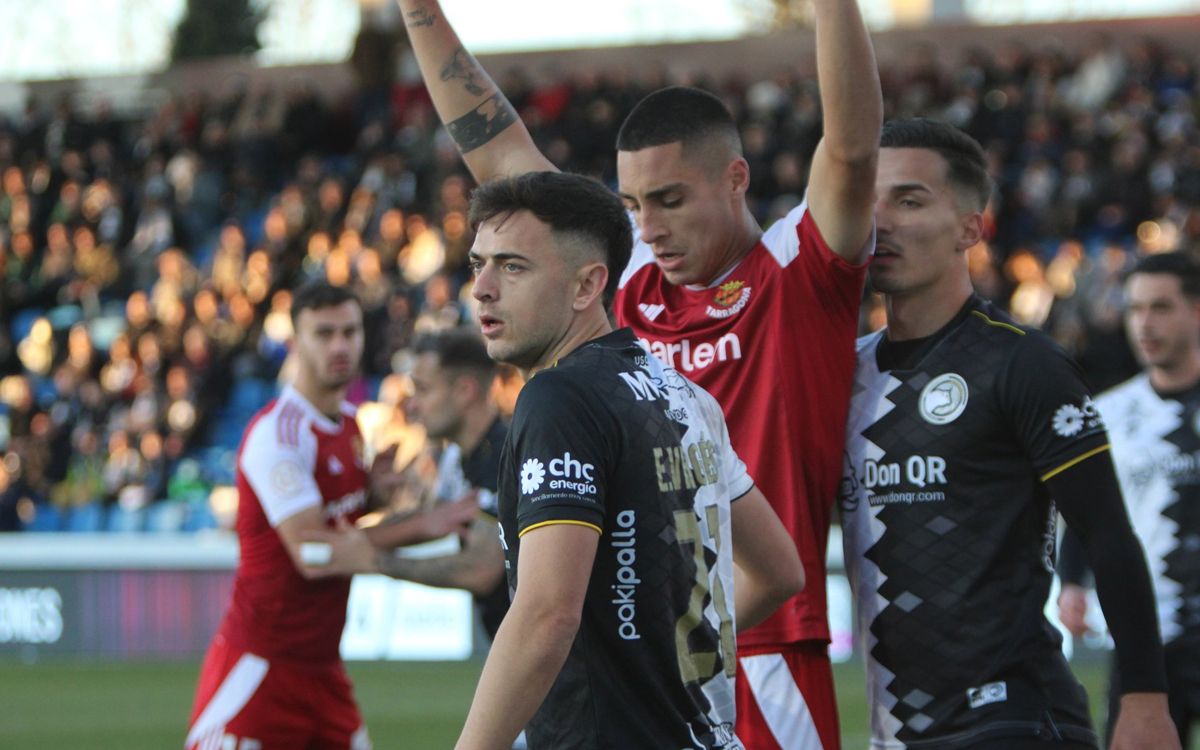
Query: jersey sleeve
{"x": 822, "y": 275}
{"x": 559, "y": 440}
{"x": 280, "y": 473}
{"x": 1050, "y": 407}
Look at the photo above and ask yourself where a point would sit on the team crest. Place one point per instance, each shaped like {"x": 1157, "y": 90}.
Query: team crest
{"x": 943, "y": 399}
{"x": 729, "y": 300}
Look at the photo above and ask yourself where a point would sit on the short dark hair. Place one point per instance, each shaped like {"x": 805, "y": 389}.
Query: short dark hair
{"x": 572, "y": 205}
{"x": 680, "y": 114}
{"x": 963, "y": 154}
{"x": 1178, "y": 264}
{"x": 459, "y": 351}
{"x": 319, "y": 294}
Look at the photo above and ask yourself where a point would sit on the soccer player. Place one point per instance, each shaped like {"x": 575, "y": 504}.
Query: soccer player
{"x": 272, "y": 677}
{"x": 765, "y": 321}
{"x": 452, "y": 377}
{"x": 625, "y": 515}
{"x": 967, "y": 434}
{"x": 1154, "y": 424}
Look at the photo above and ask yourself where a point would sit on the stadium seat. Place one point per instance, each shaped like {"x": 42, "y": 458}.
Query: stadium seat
{"x": 165, "y": 517}
{"x": 64, "y": 316}
{"x": 22, "y": 322}
{"x": 86, "y": 518}
{"x": 46, "y": 517}
{"x": 199, "y": 517}
{"x": 125, "y": 520}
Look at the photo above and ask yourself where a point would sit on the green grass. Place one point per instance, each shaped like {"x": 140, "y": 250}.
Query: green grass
{"x": 89, "y": 706}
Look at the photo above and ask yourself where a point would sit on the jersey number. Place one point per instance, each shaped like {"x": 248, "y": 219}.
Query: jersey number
{"x": 696, "y": 666}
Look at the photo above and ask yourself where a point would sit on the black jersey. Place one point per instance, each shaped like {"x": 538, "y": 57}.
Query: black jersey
{"x": 611, "y": 439}
{"x": 1156, "y": 450}
{"x": 478, "y": 470}
{"x": 950, "y": 531}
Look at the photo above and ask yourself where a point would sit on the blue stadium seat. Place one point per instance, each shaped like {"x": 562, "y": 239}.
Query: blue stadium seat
{"x": 86, "y": 518}
{"x": 22, "y": 322}
{"x": 46, "y": 517}
{"x": 64, "y": 316}
{"x": 165, "y": 517}
{"x": 125, "y": 520}
{"x": 199, "y": 517}
{"x": 106, "y": 328}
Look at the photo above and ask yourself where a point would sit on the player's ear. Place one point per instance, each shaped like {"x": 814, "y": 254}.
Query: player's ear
{"x": 738, "y": 173}
{"x": 590, "y": 280}
{"x": 970, "y": 229}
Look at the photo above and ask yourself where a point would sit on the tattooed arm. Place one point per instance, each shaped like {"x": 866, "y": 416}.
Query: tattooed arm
{"x": 488, "y": 131}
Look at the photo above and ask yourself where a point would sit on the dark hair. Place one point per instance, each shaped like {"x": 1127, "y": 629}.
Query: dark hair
{"x": 460, "y": 351}
{"x": 678, "y": 114}
{"x": 1180, "y": 265}
{"x": 319, "y": 294}
{"x": 963, "y": 154}
{"x": 572, "y": 205}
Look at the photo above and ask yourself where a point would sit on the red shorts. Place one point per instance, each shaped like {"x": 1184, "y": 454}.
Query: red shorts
{"x": 244, "y": 702}
{"x": 785, "y": 699}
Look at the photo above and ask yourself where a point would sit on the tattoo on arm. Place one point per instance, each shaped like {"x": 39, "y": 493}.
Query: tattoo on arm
{"x": 463, "y": 66}
{"x": 420, "y": 17}
{"x": 482, "y": 124}
{"x": 434, "y": 571}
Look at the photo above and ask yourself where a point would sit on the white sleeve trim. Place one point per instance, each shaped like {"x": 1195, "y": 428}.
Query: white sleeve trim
{"x": 281, "y": 475}
{"x": 782, "y": 240}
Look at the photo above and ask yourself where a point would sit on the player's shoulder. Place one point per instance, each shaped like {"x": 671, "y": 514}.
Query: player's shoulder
{"x": 1135, "y": 389}
{"x": 285, "y": 423}
{"x": 554, "y": 388}
{"x": 1002, "y": 334}
{"x": 783, "y": 239}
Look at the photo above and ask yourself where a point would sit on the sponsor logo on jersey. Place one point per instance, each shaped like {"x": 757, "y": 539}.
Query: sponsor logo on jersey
{"x": 624, "y": 544}
{"x": 730, "y": 299}
{"x": 680, "y": 467}
{"x": 1072, "y": 419}
{"x": 345, "y": 505}
{"x": 993, "y": 692}
{"x": 645, "y": 386}
{"x": 915, "y": 471}
{"x": 532, "y": 474}
{"x": 650, "y": 312}
{"x": 689, "y": 357}
{"x": 943, "y": 399}
{"x": 567, "y": 473}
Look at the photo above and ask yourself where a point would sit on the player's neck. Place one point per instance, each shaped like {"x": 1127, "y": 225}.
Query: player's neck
{"x": 324, "y": 400}
{"x": 1179, "y": 377}
{"x": 475, "y": 424}
{"x": 590, "y": 324}
{"x": 923, "y": 313}
{"x": 743, "y": 241}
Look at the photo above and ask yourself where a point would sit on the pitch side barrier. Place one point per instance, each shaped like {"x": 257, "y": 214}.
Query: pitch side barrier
{"x": 152, "y": 596}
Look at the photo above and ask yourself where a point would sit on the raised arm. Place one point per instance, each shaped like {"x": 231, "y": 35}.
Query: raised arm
{"x": 489, "y": 133}
{"x": 841, "y": 187}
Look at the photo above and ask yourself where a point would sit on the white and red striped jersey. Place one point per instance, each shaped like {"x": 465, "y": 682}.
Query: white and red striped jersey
{"x": 773, "y": 341}
{"x": 292, "y": 458}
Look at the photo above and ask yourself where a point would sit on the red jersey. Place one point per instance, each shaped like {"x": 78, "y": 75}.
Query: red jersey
{"x": 773, "y": 341}
{"x": 292, "y": 458}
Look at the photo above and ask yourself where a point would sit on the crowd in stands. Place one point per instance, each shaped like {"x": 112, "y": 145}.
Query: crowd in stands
{"x": 146, "y": 261}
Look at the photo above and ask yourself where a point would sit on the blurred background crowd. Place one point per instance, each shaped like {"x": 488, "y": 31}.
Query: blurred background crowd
{"x": 145, "y": 261}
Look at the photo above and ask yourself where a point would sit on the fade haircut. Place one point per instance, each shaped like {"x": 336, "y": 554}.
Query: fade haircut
{"x": 1177, "y": 264}
{"x": 965, "y": 160}
{"x": 680, "y": 114}
{"x": 579, "y": 211}
{"x": 460, "y": 352}
{"x": 318, "y": 295}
